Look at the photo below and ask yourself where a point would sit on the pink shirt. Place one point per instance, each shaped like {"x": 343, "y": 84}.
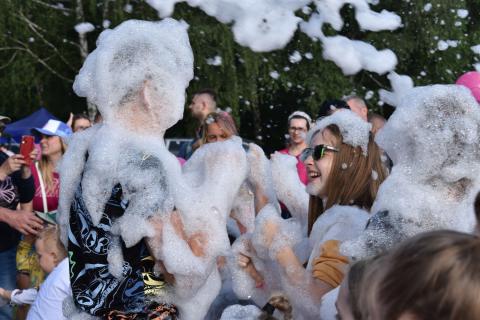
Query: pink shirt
{"x": 52, "y": 195}
{"x": 301, "y": 169}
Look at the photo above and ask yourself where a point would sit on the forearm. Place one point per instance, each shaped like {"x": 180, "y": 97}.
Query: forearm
{"x": 5, "y": 215}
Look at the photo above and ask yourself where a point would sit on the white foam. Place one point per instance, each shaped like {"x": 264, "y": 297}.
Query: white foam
{"x": 354, "y": 130}
{"x": 432, "y": 139}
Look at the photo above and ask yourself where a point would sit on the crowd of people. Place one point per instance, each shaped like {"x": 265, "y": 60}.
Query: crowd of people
{"x": 102, "y": 221}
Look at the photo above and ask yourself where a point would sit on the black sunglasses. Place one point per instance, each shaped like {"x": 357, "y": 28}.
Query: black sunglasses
{"x": 316, "y": 152}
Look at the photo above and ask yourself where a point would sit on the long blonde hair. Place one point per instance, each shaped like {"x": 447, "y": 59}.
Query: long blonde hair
{"x": 353, "y": 180}
{"x": 47, "y": 168}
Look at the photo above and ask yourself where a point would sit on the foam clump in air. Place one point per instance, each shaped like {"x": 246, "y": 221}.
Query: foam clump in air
{"x": 432, "y": 139}
{"x": 270, "y": 24}
{"x": 84, "y": 27}
{"x": 354, "y": 55}
{"x": 354, "y": 130}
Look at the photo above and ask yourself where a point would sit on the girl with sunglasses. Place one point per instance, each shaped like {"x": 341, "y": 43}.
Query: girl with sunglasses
{"x": 344, "y": 169}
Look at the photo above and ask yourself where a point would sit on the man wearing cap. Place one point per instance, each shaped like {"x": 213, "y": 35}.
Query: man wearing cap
{"x": 16, "y": 187}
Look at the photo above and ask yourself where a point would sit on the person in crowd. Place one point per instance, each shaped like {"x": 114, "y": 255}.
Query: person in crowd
{"x": 17, "y": 187}
{"x": 298, "y": 125}
{"x": 331, "y": 183}
{"x": 45, "y": 200}
{"x": 377, "y": 122}
{"x": 218, "y": 126}
{"x": 358, "y": 105}
{"x": 433, "y": 275}
{"x": 328, "y": 107}
{"x": 46, "y": 302}
{"x": 203, "y": 103}
{"x": 80, "y": 122}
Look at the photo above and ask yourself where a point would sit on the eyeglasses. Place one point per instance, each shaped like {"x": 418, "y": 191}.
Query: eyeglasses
{"x": 316, "y": 152}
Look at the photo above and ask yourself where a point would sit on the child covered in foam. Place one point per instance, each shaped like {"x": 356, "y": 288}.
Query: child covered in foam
{"x": 46, "y": 302}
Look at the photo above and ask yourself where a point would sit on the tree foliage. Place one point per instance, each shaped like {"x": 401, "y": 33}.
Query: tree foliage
{"x": 40, "y": 56}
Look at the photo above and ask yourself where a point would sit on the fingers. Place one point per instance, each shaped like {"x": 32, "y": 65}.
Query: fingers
{"x": 243, "y": 260}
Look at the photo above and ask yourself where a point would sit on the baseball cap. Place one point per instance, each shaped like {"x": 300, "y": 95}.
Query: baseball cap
{"x": 54, "y": 128}
{"x": 5, "y": 119}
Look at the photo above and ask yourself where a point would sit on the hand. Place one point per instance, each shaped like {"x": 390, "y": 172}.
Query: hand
{"x": 12, "y": 164}
{"x": 270, "y": 229}
{"x": 246, "y": 263}
{"x": 24, "y": 221}
{"x": 197, "y": 243}
{"x": 5, "y": 294}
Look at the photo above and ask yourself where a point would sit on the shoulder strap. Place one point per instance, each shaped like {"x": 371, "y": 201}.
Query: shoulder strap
{"x": 42, "y": 187}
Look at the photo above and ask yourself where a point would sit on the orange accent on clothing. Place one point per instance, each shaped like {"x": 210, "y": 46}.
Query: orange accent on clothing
{"x": 328, "y": 267}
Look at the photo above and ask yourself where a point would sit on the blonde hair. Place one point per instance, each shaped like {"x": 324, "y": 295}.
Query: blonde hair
{"x": 224, "y": 120}
{"x": 353, "y": 180}
{"x": 435, "y": 275}
{"x": 47, "y": 169}
{"x": 50, "y": 236}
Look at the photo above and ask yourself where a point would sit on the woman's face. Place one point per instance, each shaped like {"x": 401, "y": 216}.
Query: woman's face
{"x": 51, "y": 145}
{"x": 81, "y": 124}
{"x": 297, "y": 130}
{"x": 319, "y": 170}
{"x": 215, "y": 133}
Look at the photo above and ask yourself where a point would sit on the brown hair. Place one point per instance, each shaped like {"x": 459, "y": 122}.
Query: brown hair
{"x": 351, "y": 180}
{"x": 434, "y": 275}
{"x": 47, "y": 168}
{"x": 51, "y": 237}
{"x": 224, "y": 121}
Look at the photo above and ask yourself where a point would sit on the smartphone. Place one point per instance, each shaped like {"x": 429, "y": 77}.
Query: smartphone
{"x": 26, "y": 147}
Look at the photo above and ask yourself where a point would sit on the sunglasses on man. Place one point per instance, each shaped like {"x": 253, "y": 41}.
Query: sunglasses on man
{"x": 316, "y": 152}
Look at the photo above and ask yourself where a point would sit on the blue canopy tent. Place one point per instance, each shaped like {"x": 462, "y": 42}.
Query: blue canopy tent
{"x": 15, "y": 130}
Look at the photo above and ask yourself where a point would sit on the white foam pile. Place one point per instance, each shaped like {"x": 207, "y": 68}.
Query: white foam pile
{"x": 239, "y": 312}
{"x": 354, "y": 130}
{"x": 288, "y": 187}
{"x": 432, "y": 138}
{"x": 137, "y": 77}
{"x": 270, "y": 24}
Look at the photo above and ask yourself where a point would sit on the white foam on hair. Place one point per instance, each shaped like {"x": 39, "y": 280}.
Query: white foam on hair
{"x": 355, "y": 131}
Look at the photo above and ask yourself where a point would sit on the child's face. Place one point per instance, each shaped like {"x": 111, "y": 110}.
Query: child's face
{"x": 46, "y": 256}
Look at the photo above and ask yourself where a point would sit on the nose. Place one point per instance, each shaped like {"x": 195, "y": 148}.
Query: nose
{"x": 309, "y": 161}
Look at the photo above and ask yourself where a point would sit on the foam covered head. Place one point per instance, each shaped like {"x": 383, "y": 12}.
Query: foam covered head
{"x": 134, "y": 54}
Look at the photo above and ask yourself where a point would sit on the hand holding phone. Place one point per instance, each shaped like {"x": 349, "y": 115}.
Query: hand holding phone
{"x": 26, "y": 147}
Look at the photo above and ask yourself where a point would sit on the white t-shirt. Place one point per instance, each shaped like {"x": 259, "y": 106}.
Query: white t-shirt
{"x": 48, "y": 304}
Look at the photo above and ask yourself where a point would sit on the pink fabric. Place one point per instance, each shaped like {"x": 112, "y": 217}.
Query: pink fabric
{"x": 301, "y": 169}
{"x": 182, "y": 161}
{"x": 52, "y": 196}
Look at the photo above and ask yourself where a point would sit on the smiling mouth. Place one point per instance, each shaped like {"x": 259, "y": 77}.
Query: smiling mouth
{"x": 313, "y": 175}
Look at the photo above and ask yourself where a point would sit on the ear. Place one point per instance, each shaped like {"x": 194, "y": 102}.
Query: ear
{"x": 146, "y": 95}
{"x": 55, "y": 257}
